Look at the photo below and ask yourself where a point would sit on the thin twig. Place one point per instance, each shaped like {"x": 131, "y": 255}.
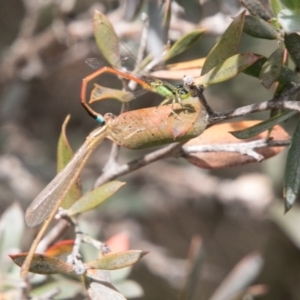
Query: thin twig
{"x": 102, "y": 247}
{"x": 280, "y": 101}
{"x": 118, "y": 170}
{"x": 75, "y": 257}
{"x": 177, "y": 150}
{"x": 242, "y": 148}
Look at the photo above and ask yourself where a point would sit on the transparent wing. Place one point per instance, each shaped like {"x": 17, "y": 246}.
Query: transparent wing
{"x": 95, "y": 63}
{"x": 44, "y": 203}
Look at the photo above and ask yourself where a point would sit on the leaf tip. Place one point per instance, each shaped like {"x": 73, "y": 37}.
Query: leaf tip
{"x": 287, "y": 207}
{"x": 144, "y": 253}
{"x": 288, "y": 203}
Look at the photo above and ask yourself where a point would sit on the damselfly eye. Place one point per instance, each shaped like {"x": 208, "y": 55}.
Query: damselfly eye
{"x": 182, "y": 91}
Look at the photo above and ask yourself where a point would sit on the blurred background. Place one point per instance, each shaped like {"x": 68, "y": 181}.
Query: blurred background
{"x": 234, "y": 212}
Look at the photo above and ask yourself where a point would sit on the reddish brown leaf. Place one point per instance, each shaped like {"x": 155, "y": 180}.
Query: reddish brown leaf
{"x": 60, "y": 248}
{"x": 118, "y": 242}
{"x": 219, "y": 134}
{"x": 156, "y": 126}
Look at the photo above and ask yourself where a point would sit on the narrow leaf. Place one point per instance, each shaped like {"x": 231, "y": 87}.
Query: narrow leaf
{"x": 184, "y": 43}
{"x": 259, "y": 28}
{"x": 292, "y": 171}
{"x": 292, "y": 43}
{"x": 276, "y": 6}
{"x": 291, "y": 4}
{"x": 195, "y": 268}
{"x": 255, "y": 69}
{"x": 106, "y": 39}
{"x": 196, "y": 63}
{"x": 256, "y": 8}
{"x": 64, "y": 150}
{"x": 167, "y": 16}
{"x": 286, "y": 75}
{"x": 271, "y": 69}
{"x": 240, "y": 277}
{"x": 43, "y": 264}
{"x": 64, "y": 155}
{"x": 226, "y": 46}
{"x": 263, "y": 126}
{"x": 94, "y": 198}
{"x": 176, "y": 74}
{"x": 228, "y": 69}
{"x": 117, "y": 260}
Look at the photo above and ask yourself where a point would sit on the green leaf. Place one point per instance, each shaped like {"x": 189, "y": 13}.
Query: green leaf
{"x": 227, "y": 69}
{"x": 11, "y": 234}
{"x": 292, "y": 43}
{"x": 184, "y": 43}
{"x": 103, "y": 290}
{"x": 94, "y": 198}
{"x": 64, "y": 150}
{"x": 289, "y": 20}
{"x": 276, "y": 6}
{"x": 255, "y": 69}
{"x": 226, "y": 46}
{"x": 129, "y": 288}
{"x": 256, "y": 8}
{"x": 107, "y": 39}
{"x": 292, "y": 171}
{"x": 64, "y": 155}
{"x": 293, "y": 5}
{"x": 117, "y": 260}
{"x": 167, "y": 16}
{"x": 263, "y": 126}
{"x": 286, "y": 76}
{"x": 43, "y": 264}
{"x": 68, "y": 289}
{"x": 271, "y": 69}
{"x": 259, "y": 28}
{"x": 100, "y": 92}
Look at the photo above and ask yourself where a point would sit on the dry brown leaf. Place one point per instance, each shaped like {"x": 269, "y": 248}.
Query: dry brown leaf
{"x": 219, "y": 134}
